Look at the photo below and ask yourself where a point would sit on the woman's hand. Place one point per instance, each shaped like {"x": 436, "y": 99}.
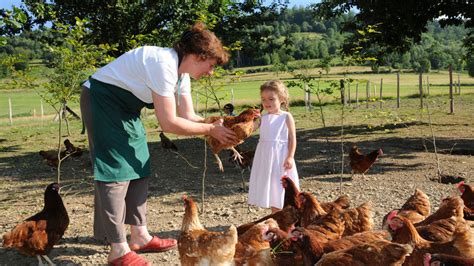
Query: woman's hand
{"x": 223, "y": 134}
{"x": 289, "y": 162}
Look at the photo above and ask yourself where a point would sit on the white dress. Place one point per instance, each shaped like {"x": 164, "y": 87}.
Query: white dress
{"x": 265, "y": 189}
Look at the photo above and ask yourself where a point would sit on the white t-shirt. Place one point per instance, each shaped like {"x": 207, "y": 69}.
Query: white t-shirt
{"x": 143, "y": 70}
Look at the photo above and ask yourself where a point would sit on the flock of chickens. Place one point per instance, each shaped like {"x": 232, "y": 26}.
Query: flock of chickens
{"x": 307, "y": 232}
{"x": 304, "y": 232}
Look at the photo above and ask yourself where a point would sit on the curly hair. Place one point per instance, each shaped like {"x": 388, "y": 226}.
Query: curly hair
{"x": 200, "y": 41}
{"x": 280, "y": 89}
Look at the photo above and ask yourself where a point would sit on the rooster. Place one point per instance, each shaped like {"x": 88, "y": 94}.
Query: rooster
{"x": 467, "y": 195}
{"x": 198, "y": 246}
{"x": 37, "y": 235}
{"x": 361, "y": 163}
{"x": 242, "y": 125}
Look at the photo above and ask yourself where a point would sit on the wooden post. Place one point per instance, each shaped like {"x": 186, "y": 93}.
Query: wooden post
{"x": 451, "y": 102}
{"x": 343, "y": 92}
{"x": 10, "y": 112}
{"x": 42, "y": 112}
{"x": 427, "y": 85}
{"x": 398, "y": 89}
{"x": 459, "y": 85}
{"x": 375, "y": 90}
{"x": 367, "y": 94}
{"x": 349, "y": 93}
{"x": 232, "y": 96}
{"x": 34, "y": 112}
{"x": 381, "y": 98}
{"x": 306, "y": 96}
{"x": 421, "y": 89}
{"x": 309, "y": 101}
{"x": 357, "y": 94}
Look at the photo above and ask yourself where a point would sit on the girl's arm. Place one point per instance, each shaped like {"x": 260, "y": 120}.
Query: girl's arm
{"x": 290, "y": 123}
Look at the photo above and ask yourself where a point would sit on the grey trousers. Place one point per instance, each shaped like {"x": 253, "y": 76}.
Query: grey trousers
{"x": 115, "y": 203}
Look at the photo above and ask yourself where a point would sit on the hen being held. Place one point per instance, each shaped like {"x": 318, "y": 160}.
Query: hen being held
{"x": 37, "y": 235}
{"x": 242, "y": 125}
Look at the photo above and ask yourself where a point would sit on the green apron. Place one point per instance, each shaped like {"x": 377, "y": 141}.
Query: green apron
{"x": 120, "y": 145}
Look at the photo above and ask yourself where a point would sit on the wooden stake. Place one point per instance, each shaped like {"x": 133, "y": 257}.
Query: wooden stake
{"x": 10, "y": 112}
{"x": 398, "y": 89}
{"x": 421, "y": 89}
{"x": 367, "y": 94}
{"x": 381, "y": 99}
{"x": 427, "y": 85}
{"x": 459, "y": 85}
{"x": 357, "y": 94}
{"x": 42, "y": 112}
{"x": 451, "y": 98}
{"x": 232, "y": 96}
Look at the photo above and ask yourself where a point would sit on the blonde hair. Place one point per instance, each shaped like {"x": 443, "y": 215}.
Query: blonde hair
{"x": 202, "y": 42}
{"x": 280, "y": 89}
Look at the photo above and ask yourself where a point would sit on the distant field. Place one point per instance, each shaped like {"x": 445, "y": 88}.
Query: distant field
{"x": 27, "y": 102}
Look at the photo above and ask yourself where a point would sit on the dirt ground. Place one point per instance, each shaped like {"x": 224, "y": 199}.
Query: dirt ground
{"x": 405, "y": 165}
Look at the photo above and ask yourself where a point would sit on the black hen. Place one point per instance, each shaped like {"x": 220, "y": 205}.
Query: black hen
{"x": 166, "y": 143}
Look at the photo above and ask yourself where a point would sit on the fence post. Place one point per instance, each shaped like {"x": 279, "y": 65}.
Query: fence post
{"x": 381, "y": 98}
{"x": 459, "y": 85}
{"x": 367, "y": 94}
{"x": 427, "y": 85}
{"x": 357, "y": 94}
{"x": 421, "y": 89}
{"x": 42, "y": 112}
{"x": 451, "y": 99}
{"x": 398, "y": 89}
{"x": 232, "y": 96}
{"x": 343, "y": 92}
{"x": 10, "y": 112}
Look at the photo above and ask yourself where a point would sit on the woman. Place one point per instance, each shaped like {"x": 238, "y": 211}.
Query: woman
{"x": 111, "y": 102}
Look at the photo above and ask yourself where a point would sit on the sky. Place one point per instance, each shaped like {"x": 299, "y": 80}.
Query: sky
{"x": 8, "y": 3}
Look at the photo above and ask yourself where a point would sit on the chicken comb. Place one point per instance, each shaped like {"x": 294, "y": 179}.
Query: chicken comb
{"x": 184, "y": 197}
{"x": 391, "y": 215}
{"x": 460, "y": 184}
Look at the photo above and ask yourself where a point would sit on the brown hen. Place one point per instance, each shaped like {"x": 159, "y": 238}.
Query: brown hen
{"x": 198, "y": 246}
{"x": 405, "y": 233}
{"x": 37, "y": 235}
{"x": 380, "y": 252}
{"x": 243, "y": 127}
{"x": 361, "y": 163}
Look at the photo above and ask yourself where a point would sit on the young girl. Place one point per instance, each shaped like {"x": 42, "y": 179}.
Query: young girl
{"x": 274, "y": 156}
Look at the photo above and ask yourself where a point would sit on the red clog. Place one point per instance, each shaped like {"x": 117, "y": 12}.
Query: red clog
{"x": 131, "y": 258}
{"x": 156, "y": 244}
